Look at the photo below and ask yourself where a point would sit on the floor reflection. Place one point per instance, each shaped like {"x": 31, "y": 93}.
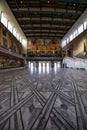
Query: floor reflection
{"x": 42, "y": 96}
{"x": 43, "y": 67}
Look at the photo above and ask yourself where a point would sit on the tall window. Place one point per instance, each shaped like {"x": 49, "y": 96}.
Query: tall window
{"x": 14, "y": 32}
{"x": 75, "y": 33}
{"x": 71, "y": 37}
{"x": 80, "y": 29}
{"x": 4, "y": 20}
{"x": 63, "y": 43}
{"x": 20, "y": 39}
{"x": 24, "y": 43}
{"x": 85, "y": 25}
{"x": 17, "y": 36}
{"x": 9, "y": 27}
{"x": 67, "y": 40}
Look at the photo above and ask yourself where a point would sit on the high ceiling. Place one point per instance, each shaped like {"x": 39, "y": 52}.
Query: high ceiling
{"x": 46, "y": 18}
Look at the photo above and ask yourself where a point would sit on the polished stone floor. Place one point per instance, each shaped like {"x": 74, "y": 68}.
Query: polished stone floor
{"x": 43, "y": 97}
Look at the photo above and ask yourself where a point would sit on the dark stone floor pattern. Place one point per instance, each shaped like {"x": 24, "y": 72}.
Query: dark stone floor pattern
{"x": 53, "y": 101}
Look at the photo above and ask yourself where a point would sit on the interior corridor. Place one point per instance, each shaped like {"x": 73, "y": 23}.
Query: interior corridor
{"x": 43, "y": 96}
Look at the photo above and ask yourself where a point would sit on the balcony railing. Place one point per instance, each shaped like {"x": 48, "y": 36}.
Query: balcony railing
{"x": 5, "y": 51}
{"x": 75, "y": 63}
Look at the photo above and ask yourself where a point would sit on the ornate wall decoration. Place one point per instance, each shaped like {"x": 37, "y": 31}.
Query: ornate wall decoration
{"x": 4, "y": 32}
{"x": 5, "y": 43}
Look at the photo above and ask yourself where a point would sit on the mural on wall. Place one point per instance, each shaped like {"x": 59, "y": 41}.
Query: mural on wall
{"x": 4, "y": 40}
{"x": 12, "y": 44}
{"x": 0, "y": 34}
{"x": 4, "y": 32}
{"x": 8, "y": 41}
{"x": 44, "y": 44}
{"x": 36, "y": 41}
{"x": 5, "y": 43}
{"x": 44, "y": 47}
{"x": 13, "y": 47}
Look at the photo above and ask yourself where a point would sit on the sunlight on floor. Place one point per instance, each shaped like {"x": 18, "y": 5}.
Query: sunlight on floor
{"x": 43, "y": 67}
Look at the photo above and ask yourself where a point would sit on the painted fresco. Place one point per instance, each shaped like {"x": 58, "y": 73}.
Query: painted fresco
{"x": 5, "y": 43}
{"x": 44, "y": 44}
{"x": 4, "y": 31}
{"x": 12, "y": 44}
{"x": 37, "y": 41}
{"x": 4, "y": 37}
{"x": 8, "y": 41}
{"x": 0, "y": 34}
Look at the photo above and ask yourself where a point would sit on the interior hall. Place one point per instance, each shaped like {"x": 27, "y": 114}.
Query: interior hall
{"x": 43, "y": 64}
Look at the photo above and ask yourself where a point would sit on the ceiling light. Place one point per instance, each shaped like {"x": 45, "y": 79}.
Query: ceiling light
{"x": 48, "y": 1}
{"x": 21, "y": 2}
{"x": 74, "y": 4}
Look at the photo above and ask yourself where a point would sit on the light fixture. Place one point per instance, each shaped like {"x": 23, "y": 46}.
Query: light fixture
{"x": 74, "y": 4}
{"x": 48, "y": 1}
{"x": 21, "y": 2}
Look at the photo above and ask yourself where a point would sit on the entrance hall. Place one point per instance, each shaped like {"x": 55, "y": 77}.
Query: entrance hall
{"x": 43, "y": 64}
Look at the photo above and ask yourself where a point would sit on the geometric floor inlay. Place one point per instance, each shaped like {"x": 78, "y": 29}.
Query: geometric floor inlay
{"x": 43, "y": 97}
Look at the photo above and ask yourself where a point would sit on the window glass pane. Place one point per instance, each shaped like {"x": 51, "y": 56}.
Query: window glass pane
{"x": 67, "y": 40}
{"x": 63, "y": 43}
{"x": 75, "y": 33}
{"x": 17, "y": 36}
{"x": 9, "y": 27}
{"x": 14, "y": 32}
{"x": 20, "y": 39}
{"x": 80, "y": 29}
{"x": 71, "y": 37}
{"x": 85, "y": 25}
{"x": 4, "y": 20}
